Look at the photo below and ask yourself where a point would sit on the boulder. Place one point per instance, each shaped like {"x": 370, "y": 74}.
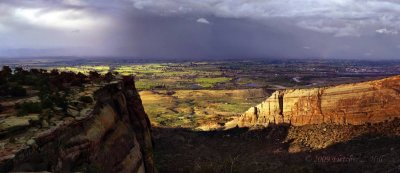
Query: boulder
{"x": 15, "y": 123}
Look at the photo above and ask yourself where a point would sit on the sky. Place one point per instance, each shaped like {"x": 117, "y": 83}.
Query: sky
{"x": 355, "y": 29}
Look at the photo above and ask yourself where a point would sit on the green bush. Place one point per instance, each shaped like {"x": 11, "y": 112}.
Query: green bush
{"x": 17, "y": 91}
{"x": 86, "y": 99}
{"x": 6, "y": 71}
{"x": 47, "y": 102}
{"x": 4, "y": 89}
{"x": 45, "y": 95}
{"x": 28, "y": 108}
{"x": 31, "y": 80}
{"x": 61, "y": 101}
{"x": 3, "y": 80}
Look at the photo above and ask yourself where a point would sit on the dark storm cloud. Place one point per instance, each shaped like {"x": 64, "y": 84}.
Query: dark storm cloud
{"x": 175, "y": 36}
{"x": 201, "y": 29}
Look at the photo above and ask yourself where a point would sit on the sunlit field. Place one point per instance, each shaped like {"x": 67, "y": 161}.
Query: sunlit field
{"x": 85, "y": 69}
{"x": 198, "y": 109}
{"x": 200, "y": 75}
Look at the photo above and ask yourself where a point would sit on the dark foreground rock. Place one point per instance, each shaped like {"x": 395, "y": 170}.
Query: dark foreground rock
{"x": 323, "y": 148}
{"x": 114, "y": 137}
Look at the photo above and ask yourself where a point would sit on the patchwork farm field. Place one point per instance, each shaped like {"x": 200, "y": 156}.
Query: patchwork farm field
{"x": 234, "y": 74}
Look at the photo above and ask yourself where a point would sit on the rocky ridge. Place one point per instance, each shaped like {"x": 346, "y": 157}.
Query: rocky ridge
{"x": 113, "y": 137}
{"x": 347, "y": 104}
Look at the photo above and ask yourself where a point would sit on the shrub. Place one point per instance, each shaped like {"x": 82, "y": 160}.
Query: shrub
{"x": 3, "y": 80}
{"x": 28, "y": 108}
{"x": 94, "y": 75}
{"x": 86, "y": 99}
{"x": 108, "y": 77}
{"x": 17, "y": 91}
{"x": 47, "y": 102}
{"x": 6, "y": 71}
{"x": 1, "y": 108}
{"x": 31, "y": 80}
{"x": 4, "y": 90}
{"x": 61, "y": 101}
{"x": 45, "y": 95}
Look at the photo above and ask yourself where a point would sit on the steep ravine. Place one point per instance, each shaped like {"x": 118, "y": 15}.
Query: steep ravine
{"x": 348, "y": 104}
{"x": 114, "y": 137}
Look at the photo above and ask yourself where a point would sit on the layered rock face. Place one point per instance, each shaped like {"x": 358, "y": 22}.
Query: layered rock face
{"x": 114, "y": 137}
{"x": 359, "y": 103}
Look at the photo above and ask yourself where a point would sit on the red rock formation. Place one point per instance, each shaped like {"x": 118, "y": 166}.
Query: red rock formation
{"x": 359, "y": 103}
{"x": 115, "y": 137}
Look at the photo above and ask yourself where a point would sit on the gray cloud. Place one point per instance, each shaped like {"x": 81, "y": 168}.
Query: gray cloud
{"x": 338, "y": 17}
{"x": 202, "y": 20}
{"x": 387, "y": 31}
{"x": 170, "y": 28}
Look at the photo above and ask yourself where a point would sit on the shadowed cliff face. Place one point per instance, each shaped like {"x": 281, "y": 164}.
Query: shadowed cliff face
{"x": 114, "y": 137}
{"x": 360, "y": 103}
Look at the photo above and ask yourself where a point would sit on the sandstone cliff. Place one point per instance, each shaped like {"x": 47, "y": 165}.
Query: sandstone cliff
{"x": 113, "y": 137}
{"x": 359, "y": 103}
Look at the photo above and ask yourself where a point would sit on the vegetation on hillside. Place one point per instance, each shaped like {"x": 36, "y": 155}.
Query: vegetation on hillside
{"x": 53, "y": 88}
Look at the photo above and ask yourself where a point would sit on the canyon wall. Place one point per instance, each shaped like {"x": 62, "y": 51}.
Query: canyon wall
{"x": 114, "y": 137}
{"x": 359, "y": 103}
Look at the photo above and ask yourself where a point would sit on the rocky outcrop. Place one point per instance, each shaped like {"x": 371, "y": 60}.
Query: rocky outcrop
{"x": 359, "y": 103}
{"x": 114, "y": 137}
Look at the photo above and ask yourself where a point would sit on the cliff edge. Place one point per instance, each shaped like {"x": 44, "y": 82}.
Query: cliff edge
{"x": 113, "y": 137}
{"x": 355, "y": 104}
